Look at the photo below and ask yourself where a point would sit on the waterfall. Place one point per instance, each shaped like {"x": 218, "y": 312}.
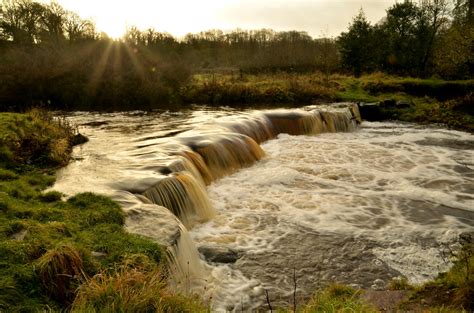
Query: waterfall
{"x": 183, "y": 195}
{"x": 211, "y": 153}
{"x": 157, "y": 223}
{"x": 163, "y": 207}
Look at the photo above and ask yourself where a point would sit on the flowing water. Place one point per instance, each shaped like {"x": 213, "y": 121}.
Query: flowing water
{"x": 277, "y": 197}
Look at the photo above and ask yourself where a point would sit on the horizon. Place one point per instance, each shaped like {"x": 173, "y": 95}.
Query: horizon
{"x": 320, "y": 18}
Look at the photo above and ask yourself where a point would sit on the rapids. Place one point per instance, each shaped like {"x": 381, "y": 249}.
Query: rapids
{"x": 285, "y": 190}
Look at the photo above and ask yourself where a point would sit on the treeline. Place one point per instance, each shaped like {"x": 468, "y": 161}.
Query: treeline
{"x": 52, "y": 57}
{"x": 432, "y": 37}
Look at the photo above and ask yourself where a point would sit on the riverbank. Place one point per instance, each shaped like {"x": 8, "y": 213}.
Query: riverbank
{"x": 72, "y": 254}
{"x": 424, "y": 101}
{"x": 452, "y": 291}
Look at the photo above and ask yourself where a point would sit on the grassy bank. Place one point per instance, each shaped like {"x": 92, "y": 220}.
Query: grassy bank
{"x": 428, "y": 100}
{"x": 72, "y": 254}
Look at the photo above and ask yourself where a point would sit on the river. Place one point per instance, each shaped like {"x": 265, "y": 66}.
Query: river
{"x": 361, "y": 207}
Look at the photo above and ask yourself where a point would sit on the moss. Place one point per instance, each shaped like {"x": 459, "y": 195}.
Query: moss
{"x": 7, "y": 174}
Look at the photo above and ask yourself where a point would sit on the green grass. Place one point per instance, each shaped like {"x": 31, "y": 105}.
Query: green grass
{"x": 378, "y": 86}
{"x": 338, "y": 298}
{"x": 50, "y": 247}
{"x": 35, "y": 137}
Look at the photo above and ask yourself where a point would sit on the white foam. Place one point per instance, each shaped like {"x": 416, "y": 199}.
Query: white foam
{"x": 378, "y": 183}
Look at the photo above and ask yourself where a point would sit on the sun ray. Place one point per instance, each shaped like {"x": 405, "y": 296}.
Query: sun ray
{"x": 138, "y": 66}
{"x": 98, "y": 72}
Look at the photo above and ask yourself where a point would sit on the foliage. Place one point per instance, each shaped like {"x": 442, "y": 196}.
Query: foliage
{"x": 357, "y": 45}
{"x": 419, "y": 40}
{"x": 282, "y": 88}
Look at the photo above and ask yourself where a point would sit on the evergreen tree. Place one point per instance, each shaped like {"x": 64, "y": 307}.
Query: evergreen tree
{"x": 356, "y": 46}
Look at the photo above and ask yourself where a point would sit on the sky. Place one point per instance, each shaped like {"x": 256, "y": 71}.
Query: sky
{"x": 179, "y": 17}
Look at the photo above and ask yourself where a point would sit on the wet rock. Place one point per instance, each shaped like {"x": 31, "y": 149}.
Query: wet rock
{"x": 79, "y": 139}
{"x": 371, "y": 111}
{"x": 378, "y": 284}
{"x": 96, "y": 123}
{"x": 388, "y": 103}
{"x": 219, "y": 254}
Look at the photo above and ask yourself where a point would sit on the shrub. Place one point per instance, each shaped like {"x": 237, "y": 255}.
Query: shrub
{"x": 400, "y": 284}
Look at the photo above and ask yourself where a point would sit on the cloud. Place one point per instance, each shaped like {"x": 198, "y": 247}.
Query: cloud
{"x": 315, "y": 17}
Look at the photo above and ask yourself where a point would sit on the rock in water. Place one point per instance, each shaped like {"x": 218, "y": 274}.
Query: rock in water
{"x": 219, "y": 254}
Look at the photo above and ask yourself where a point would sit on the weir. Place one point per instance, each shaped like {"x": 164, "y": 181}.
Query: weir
{"x": 161, "y": 181}
{"x": 213, "y": 152}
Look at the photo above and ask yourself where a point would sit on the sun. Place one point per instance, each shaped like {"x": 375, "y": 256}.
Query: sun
{"x": 114, "y": 28}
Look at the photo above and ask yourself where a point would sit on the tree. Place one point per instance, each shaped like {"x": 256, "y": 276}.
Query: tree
{"x": 434, "y": 16}
{"x": 402, "y": 32}
{"x": 78, "y": 29}
{"x": 356, "y": 45}
{"x": 454, "y": 51}
{"x": 20, "y": 21}
{"x": 52, "y": 23}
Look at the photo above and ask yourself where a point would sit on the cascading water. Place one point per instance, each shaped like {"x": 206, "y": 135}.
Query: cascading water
{"x": 310, "y": 204}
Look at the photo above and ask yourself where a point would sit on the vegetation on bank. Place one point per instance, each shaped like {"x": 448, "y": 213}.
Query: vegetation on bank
{"x": 72, "y": 254}
{"x": 338, "y": 298}
{"x": 51, "y": 57}
{"x": 424, "y": 100}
